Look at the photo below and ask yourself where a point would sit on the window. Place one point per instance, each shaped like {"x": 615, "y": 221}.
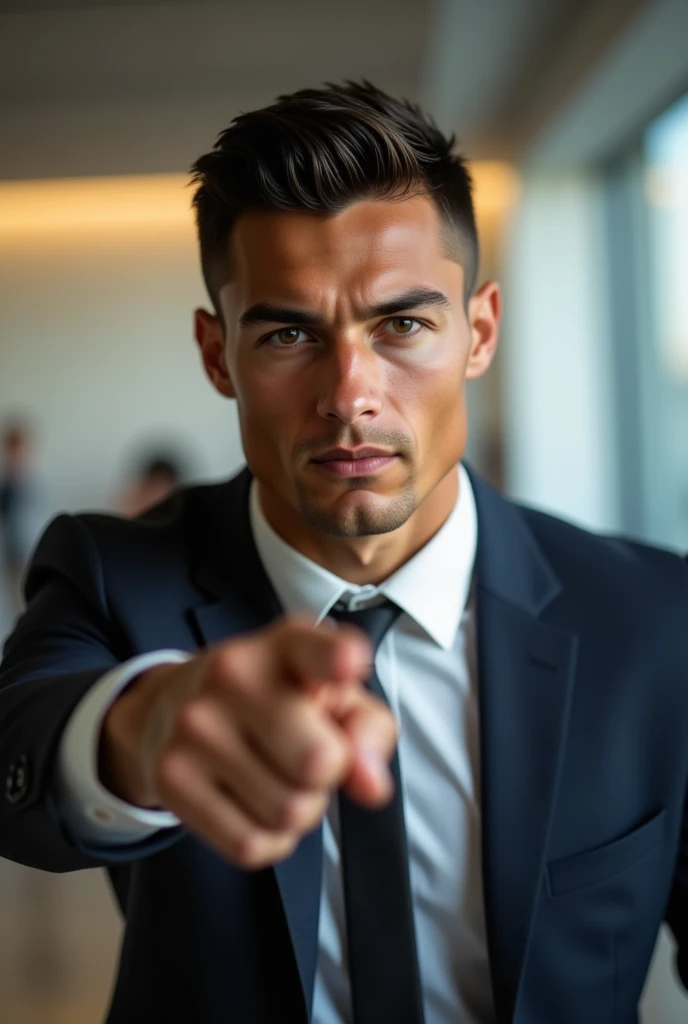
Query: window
{"x": 648, "y": 232}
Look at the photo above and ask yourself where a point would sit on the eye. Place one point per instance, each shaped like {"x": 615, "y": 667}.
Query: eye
{"x": 288, "y": 337}
{"x": 403, "y": 326}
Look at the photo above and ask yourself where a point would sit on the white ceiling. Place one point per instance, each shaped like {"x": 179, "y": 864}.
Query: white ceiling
{"x": 146, "y": 85}
{"x": 144, "y": 49}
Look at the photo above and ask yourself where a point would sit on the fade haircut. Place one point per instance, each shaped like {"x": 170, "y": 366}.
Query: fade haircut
{"x": 321, "y": 150}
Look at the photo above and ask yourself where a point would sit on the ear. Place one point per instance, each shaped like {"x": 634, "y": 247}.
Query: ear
{"x": 210, "y": 338}
{"x": 484, "y": 311}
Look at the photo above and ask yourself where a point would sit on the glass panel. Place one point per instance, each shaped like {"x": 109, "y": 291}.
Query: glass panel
{"x": 666, "y": 191}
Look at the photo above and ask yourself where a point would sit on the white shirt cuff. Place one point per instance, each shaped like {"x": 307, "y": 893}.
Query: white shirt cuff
{"x": 92, "y": 813}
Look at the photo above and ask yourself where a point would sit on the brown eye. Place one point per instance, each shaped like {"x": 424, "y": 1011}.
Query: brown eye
{"x": 289, "y": 335}
{"x": 403, "y": 326}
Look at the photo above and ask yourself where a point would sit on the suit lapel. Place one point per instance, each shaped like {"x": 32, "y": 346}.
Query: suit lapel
{"x": 240, "y": 600}
{"x": 526, "y": 669}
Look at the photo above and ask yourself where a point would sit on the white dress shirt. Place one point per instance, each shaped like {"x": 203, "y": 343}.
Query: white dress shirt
{"x": 426, "y": 664}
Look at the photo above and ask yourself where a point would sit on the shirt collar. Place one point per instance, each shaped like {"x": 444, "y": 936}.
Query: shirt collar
{"x": 432, "y": 587}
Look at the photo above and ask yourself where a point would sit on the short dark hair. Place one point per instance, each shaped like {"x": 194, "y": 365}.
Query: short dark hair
{"x": 160, "y": 466}
{"x": 321, "y": 150}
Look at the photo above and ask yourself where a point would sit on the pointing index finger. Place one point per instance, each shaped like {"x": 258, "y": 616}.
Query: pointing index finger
{"x": 328, "y": 652}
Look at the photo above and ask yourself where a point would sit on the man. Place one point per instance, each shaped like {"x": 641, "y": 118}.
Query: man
{"x": 192, "y": 701}
{"x": 153, "y": 479}
{"x": 20, "y": 510}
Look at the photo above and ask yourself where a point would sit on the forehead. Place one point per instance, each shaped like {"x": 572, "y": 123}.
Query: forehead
{"x": 370, "y": 242}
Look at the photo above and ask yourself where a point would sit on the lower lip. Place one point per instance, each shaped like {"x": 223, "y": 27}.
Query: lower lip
{"x": 357, "y": 467}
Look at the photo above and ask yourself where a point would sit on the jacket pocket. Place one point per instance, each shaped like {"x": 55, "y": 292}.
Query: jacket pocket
{"x": 596, "y": 865}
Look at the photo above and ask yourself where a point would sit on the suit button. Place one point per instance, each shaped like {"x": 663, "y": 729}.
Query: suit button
{"x": 17, "y": 780}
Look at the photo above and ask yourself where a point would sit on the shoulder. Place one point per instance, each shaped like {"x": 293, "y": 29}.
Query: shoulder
{"x": 86, "y": 547}
{"x": 612, "y": 564}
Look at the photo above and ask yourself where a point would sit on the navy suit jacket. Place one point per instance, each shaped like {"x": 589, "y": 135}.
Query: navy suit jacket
{"x": 583, "y": 675}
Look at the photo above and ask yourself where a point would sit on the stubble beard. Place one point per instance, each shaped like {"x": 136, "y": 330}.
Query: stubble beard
{"x": 359, "y": 519}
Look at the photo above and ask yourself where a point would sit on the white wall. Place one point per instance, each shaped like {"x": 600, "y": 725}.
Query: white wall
{"x": 96, "y": 345}
{"x": 559, "y": 427}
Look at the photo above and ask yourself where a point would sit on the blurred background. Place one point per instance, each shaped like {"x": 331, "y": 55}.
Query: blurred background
{"x": 575, "y": 115}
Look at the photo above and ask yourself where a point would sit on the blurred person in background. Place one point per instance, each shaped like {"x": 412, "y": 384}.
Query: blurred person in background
{"x": 156, "y": 475}
{"x": 21, "y": 512}
{"x": 356, "y": 737}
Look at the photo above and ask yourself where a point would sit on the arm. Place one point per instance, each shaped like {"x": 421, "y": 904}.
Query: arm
{"x": 62, "y": 646}
{"x": 93, "y": 814}
{"x": 244, "y": 742}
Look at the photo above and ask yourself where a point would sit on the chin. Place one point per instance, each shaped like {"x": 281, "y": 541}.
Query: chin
{"x": 359, "y": 513}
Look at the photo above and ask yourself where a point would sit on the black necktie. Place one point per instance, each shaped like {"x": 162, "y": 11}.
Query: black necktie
{"x": 381, "y": 939}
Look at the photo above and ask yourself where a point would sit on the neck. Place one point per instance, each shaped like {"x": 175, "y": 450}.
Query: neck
{"x": 369, "y": 559}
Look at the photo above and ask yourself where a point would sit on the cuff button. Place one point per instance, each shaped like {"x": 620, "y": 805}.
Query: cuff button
{"x": 17, "y": 779}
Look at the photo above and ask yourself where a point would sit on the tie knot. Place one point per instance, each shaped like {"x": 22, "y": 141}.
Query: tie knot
{"x": 374, "y": 621}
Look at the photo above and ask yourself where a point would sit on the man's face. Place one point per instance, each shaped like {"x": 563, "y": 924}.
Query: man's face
{"x": 349, "y": 332}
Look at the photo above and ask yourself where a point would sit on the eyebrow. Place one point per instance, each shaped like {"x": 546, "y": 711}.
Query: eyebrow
{"x": 267, "y": 313}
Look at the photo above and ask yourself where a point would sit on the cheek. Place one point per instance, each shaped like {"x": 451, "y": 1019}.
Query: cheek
{"x": 256, "y": 391}
{"x": 444, "y": 430}
{"x": 430, "y": 397}
{"x": 270, "y": 410}
{"x": 445, "y": 422}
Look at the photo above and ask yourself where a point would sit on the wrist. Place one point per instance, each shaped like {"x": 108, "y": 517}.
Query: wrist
{"x": 122, "y": 766}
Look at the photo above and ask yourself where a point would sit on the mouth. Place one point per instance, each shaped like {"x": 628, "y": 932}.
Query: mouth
{"x": 356, "y": 462}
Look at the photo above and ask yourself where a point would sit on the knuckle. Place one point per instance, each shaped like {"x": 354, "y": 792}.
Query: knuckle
{"x": 385, "y": 731}
{"x": 322, "y": 763}
{"x": 223, "y": 663}
{"x": 169, "y": 771}
{"x": 309, "y": 769}
{"x": 282, "y": 814}
{"x": 227, "y": 671}
{"x": 296, "y": 637}
{"x": 254, "y": 850}
{"x": 295, "y": 625}
{"x": 248, "y": 850}
{"x": 192, "y": 721}
{"x": 279, "y": 632}
{"x": 296, "y": 813}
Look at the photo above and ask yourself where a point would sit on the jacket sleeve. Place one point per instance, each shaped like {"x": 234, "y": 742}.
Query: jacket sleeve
{"x": 65, "y": 641}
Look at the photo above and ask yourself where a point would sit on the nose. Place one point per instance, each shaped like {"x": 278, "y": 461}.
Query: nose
{"x": 350, "y": 383}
